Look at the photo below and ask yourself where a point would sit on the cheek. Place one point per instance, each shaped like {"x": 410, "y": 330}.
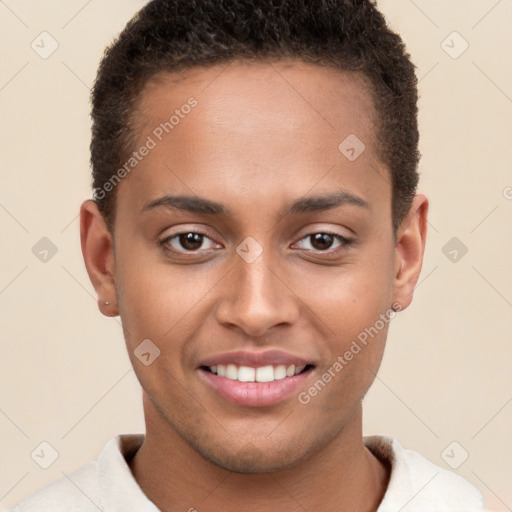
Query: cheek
{"x": 157, "y": 304}
{"x": 157, "y": 300}
{"x": 359, "y": 334}
{"x": 354, "y": 347}
{"x": 353, "y": 306}
{"x": 349, "y": 299}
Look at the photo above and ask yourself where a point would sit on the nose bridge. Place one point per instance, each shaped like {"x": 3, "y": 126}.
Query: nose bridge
{"x": 256, "y": 280}
{"x": 256, "y": 299}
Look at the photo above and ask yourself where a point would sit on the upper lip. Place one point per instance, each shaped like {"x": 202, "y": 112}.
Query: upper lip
{"x": 255, "y": 359}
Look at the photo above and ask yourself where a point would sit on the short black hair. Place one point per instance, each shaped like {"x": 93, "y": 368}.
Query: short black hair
{"x": 172, "y": 35}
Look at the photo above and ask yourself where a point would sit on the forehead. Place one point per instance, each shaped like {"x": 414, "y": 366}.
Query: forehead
{"x": 243, "y": 90}
{"x": 275, "y": 127}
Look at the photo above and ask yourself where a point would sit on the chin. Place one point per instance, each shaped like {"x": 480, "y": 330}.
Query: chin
{"x": 251, "y": 459}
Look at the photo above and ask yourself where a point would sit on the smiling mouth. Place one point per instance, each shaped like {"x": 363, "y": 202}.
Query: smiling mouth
{"x": 267, "y": 373}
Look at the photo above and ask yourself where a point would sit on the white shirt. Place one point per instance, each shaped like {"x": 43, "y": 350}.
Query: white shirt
{"x": 415, "y": 485}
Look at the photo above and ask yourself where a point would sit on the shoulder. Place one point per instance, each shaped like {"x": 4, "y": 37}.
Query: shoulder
{"x": 418, "y": 485}
{"x": 94, "y": 486}
{"x": 76, "y": 492}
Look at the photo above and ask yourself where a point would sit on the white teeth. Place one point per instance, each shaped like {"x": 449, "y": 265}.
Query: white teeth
{"x": 290, "y": 371}
{"x": 246, "y": 374}
{"x": 280, "y": 372}
{"x": 267, "y": 373}
{"x": 231, "y": 372}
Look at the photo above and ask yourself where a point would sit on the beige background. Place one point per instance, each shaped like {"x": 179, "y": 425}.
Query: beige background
{"x": 64, "y": 375}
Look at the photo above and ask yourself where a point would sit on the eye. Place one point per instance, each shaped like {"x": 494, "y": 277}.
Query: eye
{"x": 323, "y": 241}
{"x": 188, "y": 241}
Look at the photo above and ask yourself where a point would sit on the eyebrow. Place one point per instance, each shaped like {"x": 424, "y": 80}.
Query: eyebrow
{"x": 194, "y": 204}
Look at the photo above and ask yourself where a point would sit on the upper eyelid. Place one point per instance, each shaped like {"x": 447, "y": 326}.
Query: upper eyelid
{"x": 343, "y": 239}
{"x": 167, "y": 238}
{"x": 204, "y": 231}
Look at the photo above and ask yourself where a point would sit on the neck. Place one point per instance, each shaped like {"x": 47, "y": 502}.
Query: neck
{"x": 343, "y": 476}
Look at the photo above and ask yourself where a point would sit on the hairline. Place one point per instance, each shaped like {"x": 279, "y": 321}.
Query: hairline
{"x": 160, "y": 76}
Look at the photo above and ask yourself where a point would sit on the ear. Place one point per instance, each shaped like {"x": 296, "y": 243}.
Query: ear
{"x": 410, "y": 247}
{"x": 98, "y": 254}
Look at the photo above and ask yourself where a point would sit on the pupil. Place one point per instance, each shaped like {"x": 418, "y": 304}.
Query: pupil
{"x": 323, "y": 239}
{"x": 191, "y": 241}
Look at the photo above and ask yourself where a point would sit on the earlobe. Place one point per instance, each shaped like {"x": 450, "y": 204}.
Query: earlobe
{"x": 98, "y": 253}
{"x": 411, "y": 238}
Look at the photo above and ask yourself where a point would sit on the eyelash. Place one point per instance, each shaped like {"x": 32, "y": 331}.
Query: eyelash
{"x": 344, "y": 242}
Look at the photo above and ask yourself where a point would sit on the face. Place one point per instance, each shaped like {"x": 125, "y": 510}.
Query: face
{"x": 255, "y": 253}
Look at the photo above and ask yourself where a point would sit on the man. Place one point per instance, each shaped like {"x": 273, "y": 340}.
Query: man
{"x": 255, "y": 225}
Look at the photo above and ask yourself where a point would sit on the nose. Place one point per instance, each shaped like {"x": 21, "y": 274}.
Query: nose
{"x": 257, "y": 297}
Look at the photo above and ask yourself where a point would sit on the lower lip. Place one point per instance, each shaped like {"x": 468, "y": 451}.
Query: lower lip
{"x": 255, "y": 394}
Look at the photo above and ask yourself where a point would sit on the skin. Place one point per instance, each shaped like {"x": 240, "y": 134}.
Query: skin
{"x": 261, "y": 137}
